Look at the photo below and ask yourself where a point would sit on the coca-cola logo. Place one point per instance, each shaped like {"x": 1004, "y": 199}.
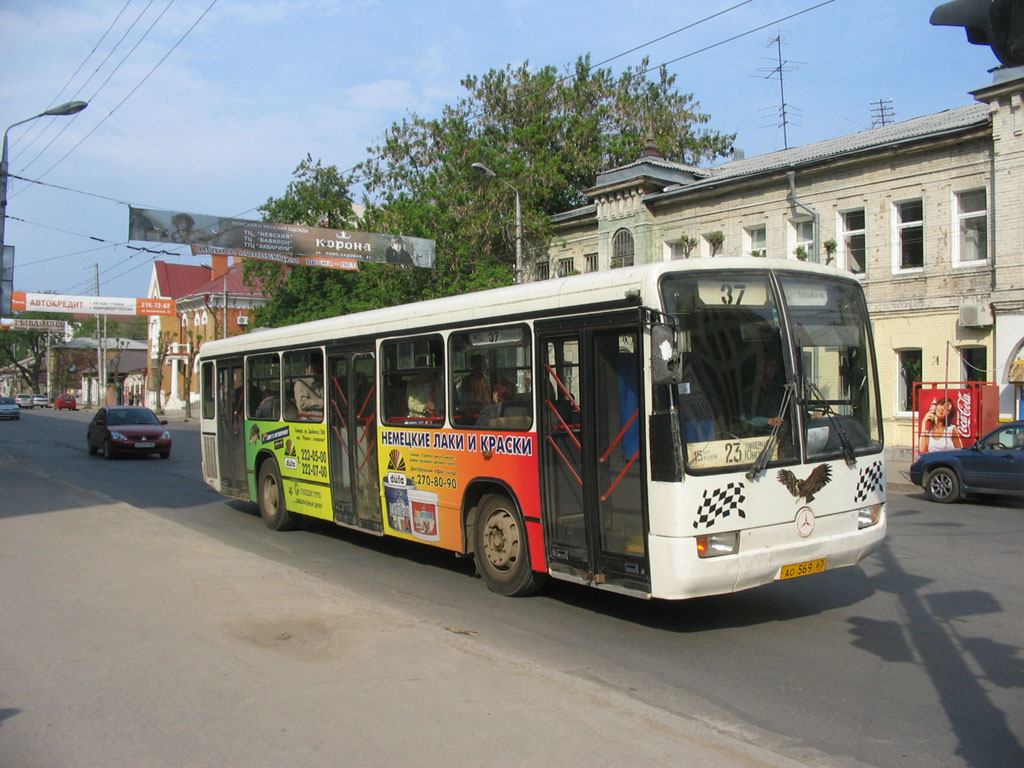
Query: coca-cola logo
{"x": 963, "y": 413}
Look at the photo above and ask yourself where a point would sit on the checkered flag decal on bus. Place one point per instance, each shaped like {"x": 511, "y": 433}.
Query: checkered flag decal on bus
{"x": 870, "y": 480}
{"x": 720, "y": 502}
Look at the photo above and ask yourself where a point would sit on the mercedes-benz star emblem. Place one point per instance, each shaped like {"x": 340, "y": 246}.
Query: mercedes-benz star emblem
{"x": 804, "y": 522}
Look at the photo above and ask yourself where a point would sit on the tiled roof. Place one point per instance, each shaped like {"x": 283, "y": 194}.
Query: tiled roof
{"x": 948, "y": 121}
{"x": 177, "y": 280}
{"x": 236, "y": 284}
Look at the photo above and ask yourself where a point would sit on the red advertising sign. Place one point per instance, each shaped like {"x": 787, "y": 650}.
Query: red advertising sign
{"x": 953, "y": 414}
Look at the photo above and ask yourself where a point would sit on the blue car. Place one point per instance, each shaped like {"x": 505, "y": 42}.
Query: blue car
{"x": 994, "y": 464}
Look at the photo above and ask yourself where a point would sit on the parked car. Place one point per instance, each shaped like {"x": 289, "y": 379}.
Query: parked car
{"x": 125, "y": 429}
{"x": 994, "y": 464}
{"x": 9, "y": 409}
{"x": 40, "y": 401}
{"x": 25, "y": 401}
{"x": 65, "y": 401}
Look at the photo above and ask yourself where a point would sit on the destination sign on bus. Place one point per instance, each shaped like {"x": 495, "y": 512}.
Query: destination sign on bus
{"x": 732, "y": 293}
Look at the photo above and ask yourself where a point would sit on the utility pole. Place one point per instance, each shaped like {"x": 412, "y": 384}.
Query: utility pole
{"x": 99, "y": 342}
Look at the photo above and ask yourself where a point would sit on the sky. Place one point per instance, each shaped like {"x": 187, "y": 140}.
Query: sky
{"x": 208, "y": 106}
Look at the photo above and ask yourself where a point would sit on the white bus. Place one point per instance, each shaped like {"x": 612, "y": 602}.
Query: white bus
{"x": 666, "y": 431}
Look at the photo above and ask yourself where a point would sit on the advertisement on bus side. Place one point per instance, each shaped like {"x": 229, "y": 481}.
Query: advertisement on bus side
{"x": 424, "y": 475}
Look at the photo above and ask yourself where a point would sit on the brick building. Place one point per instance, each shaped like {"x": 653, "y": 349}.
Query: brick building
{"x": 926, "y": 212}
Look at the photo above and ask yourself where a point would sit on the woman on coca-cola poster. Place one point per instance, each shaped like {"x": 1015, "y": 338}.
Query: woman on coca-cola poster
{"x": 938, "y": 430}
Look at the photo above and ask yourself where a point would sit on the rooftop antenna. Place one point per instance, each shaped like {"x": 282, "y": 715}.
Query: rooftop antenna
{"x": 782, "y": 66}
{"x": 881, "y": 113}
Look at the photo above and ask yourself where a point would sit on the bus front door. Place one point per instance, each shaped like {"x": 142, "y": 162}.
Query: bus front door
{"x": 352, "y": 452}
{"x": 231, "y": 429}
{"x": 593, "y": 453}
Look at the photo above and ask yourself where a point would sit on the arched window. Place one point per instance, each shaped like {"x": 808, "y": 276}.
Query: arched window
{"x": 622, "y": 249}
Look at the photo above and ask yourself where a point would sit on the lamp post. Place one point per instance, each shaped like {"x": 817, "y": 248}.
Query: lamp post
{"x": 483, "y": 170}
{"x": 67, "y": 108}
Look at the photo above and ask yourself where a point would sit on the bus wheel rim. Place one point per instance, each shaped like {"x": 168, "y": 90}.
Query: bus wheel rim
{"x": 501, "y": 540}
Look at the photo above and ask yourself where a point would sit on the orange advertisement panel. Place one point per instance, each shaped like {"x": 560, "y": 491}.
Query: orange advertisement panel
{"x": 90, "y": 305}
{"x": 425, "y": 474}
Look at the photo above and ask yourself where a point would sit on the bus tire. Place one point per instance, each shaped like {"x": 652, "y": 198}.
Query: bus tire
{"x": 500, "y": 548}
{"x": 942, "y": 485}
{"x": 270, "y": 495}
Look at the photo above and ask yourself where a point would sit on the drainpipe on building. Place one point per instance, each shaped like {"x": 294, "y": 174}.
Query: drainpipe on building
{"x": 791, "y": 177}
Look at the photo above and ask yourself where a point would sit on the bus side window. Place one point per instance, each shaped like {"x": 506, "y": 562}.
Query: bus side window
{"x": 412, "y": 371}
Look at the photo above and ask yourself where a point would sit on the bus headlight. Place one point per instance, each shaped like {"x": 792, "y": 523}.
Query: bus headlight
{"x": 868, "y": 516}
{"x": 718, "y": 544}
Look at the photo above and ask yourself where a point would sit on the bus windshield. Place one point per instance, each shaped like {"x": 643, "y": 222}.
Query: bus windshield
{"x": 835, "y": 368}
{"x": 748, "y": 384}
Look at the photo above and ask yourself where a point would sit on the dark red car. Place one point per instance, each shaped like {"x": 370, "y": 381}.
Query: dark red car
{"x": 66, "y": 401}
{"x": 124, "y": 429}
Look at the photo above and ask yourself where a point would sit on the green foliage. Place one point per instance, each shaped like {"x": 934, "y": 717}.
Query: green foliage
{"x": 130, "y": 328}
{"x": 545, "y": 134}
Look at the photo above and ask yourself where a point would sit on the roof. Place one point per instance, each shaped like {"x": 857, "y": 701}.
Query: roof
{"x": 235, "y": 283}
{"x": 919, "y": 128}
{"x": 177, "y": 280}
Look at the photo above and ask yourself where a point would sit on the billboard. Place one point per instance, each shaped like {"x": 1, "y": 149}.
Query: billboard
{"x": 32, "y": 324}
{"x": 291, "y": 244}
{"x": 90, "y": 305}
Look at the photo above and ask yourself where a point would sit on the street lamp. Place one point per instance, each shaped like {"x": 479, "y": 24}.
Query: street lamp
{"x": 483, "y": 170}
{"x": 61, "y": 110}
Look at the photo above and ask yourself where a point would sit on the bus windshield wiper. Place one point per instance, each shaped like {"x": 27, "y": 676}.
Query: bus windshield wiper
{"x": 826, "y": 409}
{"x": 773, "y": 438}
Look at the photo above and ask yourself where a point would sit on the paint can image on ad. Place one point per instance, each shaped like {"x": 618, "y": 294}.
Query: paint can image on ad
{"x": 424, "y": 512}
{"x": 396, "y": 496}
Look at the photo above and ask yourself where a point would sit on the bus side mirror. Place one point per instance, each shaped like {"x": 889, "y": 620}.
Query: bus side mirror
{"x": 666, "y": 360}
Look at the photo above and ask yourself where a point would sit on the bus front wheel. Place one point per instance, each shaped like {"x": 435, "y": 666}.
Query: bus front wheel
{"x": 270, "y": 495}
{"x": 500, "y": 548}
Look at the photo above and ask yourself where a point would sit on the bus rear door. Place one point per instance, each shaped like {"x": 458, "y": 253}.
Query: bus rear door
{"x": 593, "y": 451}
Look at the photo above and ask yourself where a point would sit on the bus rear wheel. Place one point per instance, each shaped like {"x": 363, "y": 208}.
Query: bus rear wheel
{"x": 270, "y": 496}
{"x": 500, "y": 548}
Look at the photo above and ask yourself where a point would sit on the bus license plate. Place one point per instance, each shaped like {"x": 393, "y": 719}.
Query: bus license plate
{"x": 803, "y": 569}
{"x": 145, "y": 445}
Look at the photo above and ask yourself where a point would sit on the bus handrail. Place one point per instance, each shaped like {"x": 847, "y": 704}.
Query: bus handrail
{"x": 568, "y": 465}
{"x": 618, "y": 438}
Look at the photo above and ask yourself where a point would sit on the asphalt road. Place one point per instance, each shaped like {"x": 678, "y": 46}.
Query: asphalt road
{"x": 912, "y": 659}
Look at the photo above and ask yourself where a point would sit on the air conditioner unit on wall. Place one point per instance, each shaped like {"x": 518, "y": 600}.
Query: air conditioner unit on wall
{"x": 243, "y": 319}
{"x": 975, "y": 315}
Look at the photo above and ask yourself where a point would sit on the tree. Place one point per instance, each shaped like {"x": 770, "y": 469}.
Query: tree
{"x": 195, "y": 341}
{"x": 26, "y": 350}
{"x": 156, "y": 378}
{"x": 548, "y": 135}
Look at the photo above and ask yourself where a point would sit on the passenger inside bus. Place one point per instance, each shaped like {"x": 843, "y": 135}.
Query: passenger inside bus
{"x": 421, "y": 394}
{"x": 503, "y": 393}
{"x": 308, "y": 391}
{"x": 763, "y": 398}
{"x": 474, "y": 393}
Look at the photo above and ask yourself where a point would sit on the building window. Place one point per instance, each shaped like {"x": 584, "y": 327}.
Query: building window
{"x": 853, "y": 240}
{"x": 803, "y": 238}
{"x": 565, "y": 267}
{"x": 971, "y": 226}
{"x": 622, "y": 249}
{"x": 755, "y": 241}
{"x": 909, "y": 374}
{"x": 973, "y": 363}
{"x": 591, "y": 262}
{"x": 910, "y": 234}
{"x": 542, "y": 270}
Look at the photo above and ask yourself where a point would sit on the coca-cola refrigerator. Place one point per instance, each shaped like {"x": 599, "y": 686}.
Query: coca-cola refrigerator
{"x": 953, "y": 414}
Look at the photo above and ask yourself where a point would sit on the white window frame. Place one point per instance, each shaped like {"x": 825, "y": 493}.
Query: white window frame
{"x": 901, "y": 388}
{"x": 755, "y": 238}
{"x": 897, "y": 239}
{"x": 960, "y": 219}
{"x": 591, "y": 262}
{"x": 619, "y": 255}
{"x": 843, "y": 256}
{"x": 795, "y": 226}
{"x": 565, "y": 266}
